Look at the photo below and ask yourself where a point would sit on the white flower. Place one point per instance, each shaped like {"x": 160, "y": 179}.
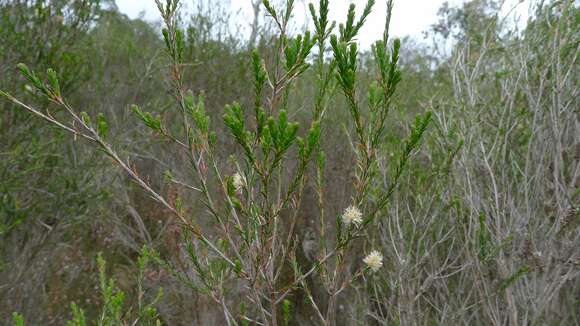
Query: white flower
{"x": 352, "y": 215}
{"x": 238, "y": 182}
{"x": 374, "y": 260}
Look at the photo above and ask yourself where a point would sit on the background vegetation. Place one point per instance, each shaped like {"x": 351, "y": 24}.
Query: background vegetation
{"x": 482, "y": 227}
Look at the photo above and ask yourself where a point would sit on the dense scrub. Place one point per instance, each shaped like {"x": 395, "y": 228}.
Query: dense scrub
{"x": 195, "y": 176}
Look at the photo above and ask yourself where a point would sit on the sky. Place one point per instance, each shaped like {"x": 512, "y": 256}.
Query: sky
{"x": 410, "y": 17}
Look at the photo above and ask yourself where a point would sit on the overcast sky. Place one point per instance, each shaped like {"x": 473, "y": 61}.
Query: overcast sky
{"x": 410, "y": 17}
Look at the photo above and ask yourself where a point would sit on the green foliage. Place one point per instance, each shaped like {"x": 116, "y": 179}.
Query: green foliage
{"x": 279, "y": 135}
{"x": 321, "y": 22}
{"x": 296, "y": 51}
{"x": 31, "y": 77}
{"x": 17, "y": 319}
{"x": 286, "y": 311}
{"x": 53, "y": 82}
{"x": 153, "y": 123}
{"x": 113, "y": 298}
{"x": 113, "y": 310}
{"x": 197, "y": 112}
{"x": 349, "y": 30}
{"x": 522, "y": 271}
{"x": 390, "y": 74}
{"x": 483, "y": 238}
{"x": 102, "y": 126}
{"x": 50, "y": 89}
{"x": 79, "y": 318}
{"x": 235, "y": 121}
{"x": 346, "y": 58}
{"x": 417, "y": 132}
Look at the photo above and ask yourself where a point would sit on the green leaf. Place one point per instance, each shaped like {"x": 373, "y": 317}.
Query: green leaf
{"x": 270, "y": 9}
{"x": 349, "y": 30}
{"x": 234, "y": 120}
{"x": 286, "y": 304}
{"x": 150, "y": 121}
{"x": 31, "y": 77}
{"x": 79, "y": 318}
{"x": 197, "y": 112}
{"x": 53, "y": 81}
{"x": 238, "y": 267}
{"x": 102, "y": 126}
{"x": 85, "y": 118}
{"x": 521, "y": 272}
{"x": 260, "y": 77}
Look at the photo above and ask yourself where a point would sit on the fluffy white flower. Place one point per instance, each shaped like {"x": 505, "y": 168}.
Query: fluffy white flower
{"x": 374, "y": 260}
{"x": 238, "y": 182}
{"x": 352, "y": 215}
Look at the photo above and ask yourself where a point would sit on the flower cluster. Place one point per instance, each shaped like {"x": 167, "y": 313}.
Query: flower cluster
{"x": 238, "y": 182}
{"x": 352, "y": 215}
{"x": 374, "y": 260}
